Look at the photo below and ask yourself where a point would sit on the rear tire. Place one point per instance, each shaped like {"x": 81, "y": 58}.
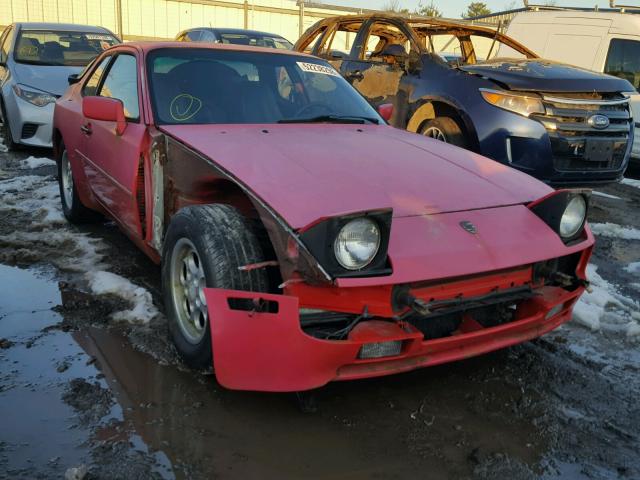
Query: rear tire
{"x": 204, "y": 247}
{"x": 6, "y": 130}
{"x": 72, "y": 207}
{"x": 445, "y": 129}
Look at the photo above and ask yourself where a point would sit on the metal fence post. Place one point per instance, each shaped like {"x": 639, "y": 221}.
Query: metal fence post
{"x": 119, "y": 19}
{"x": 301, "y": 18}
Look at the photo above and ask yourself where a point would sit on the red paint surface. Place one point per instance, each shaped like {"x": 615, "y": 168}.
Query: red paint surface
{"x": 270, "y": 352}
{"x": 308, "y": 172}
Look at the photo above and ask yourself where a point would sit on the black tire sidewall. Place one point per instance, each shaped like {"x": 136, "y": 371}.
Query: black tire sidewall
{"x": 196, "y": 355}
{"x": 77, "y": 212}
{"x": 450, "y": 128}
{"x": 205, "y": 236}
{"x": 6, "y": 129}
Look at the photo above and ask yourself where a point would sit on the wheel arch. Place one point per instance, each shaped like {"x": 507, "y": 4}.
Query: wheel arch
{"x": 432, "y": 107}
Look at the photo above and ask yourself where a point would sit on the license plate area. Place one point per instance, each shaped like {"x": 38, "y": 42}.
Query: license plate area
{"x": 598, "y": 150}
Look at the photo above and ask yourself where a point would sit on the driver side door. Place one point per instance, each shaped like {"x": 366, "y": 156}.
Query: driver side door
{"x": 113, "y": 162}
{"x": 380, "y": 79}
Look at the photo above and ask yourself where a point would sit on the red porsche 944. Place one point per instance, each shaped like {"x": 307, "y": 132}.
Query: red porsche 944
{"x": 302, "y": 239}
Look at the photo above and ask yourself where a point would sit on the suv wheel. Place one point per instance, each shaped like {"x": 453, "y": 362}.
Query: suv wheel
{"x": 445, "y": 129}
{"x": 204, "y": 247}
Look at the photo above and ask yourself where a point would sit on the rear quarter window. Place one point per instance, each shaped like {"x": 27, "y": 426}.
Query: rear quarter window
{"x": 623, "y": 60}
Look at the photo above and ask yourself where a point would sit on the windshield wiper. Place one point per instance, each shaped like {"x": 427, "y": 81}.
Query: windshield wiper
{"x": 332, "y": 119}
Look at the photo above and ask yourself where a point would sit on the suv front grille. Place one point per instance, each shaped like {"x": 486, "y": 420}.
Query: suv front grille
{"x": 577, "y": 144}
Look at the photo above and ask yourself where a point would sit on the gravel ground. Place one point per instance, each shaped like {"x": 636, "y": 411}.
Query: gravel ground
{"x": 88, "y": 395}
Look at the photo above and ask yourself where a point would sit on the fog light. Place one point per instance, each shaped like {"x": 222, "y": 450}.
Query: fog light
{"x": 380, "y": 349}
{"x": 554, "y": 311}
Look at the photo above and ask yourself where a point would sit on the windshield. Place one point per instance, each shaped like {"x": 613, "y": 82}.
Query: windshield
{"x": 256, "y": 40}
{"x": 41, "y": 47}
{"x": 208, "y": 86}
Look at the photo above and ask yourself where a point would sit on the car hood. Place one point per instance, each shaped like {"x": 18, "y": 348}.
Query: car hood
{"x": 309, "y": 172}
{"x": 547, "y": 76}
{"x": 50, "y": 79}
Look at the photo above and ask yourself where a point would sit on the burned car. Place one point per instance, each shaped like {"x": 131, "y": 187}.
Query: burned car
{"x": 562, "y": 124}
{"x": 303, "y": 240}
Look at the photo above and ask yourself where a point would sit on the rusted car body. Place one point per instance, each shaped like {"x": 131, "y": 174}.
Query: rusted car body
{"x": 562, "y": 124}
{"x": 469, "y": 254}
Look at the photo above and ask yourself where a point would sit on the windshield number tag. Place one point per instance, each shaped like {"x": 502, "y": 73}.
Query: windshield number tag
{"x": 315, "y": 68}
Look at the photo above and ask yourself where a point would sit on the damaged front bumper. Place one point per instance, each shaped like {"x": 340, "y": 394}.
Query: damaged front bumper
{"x": 266, "y": 349}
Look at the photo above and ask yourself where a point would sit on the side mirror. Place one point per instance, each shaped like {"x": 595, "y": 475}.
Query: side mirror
{"x": 105, "y": 109}
{"x": 386, "y": 111}
{"x": 73, "y": 79}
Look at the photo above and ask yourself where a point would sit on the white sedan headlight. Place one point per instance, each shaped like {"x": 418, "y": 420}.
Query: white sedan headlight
{"x": 357, "y": 243}
{"x": 520, "y": 104}
{"x": 573, "y": 217}
{"x": 39, "y": 99}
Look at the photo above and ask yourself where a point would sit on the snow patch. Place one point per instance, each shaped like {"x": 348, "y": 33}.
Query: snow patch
{"x": 36, "y": 162}
{"x": 615, "y": 231}
{"x": 143, "y": 310}
{"x": 605, "y": 195}
{"x": 633, "y": 268}
{"x": 631, "y": 182}
{"x": 606, "y": 309}
{"x": 35, "y": 195}
{"x": 47, "y": 237}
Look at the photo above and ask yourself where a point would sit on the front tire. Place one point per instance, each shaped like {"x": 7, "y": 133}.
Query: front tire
{"x": 204, "y": 247}
{"x": 6, "y": 130}
{"x": 72, "y": 207}
{"x": 445, "y": 129}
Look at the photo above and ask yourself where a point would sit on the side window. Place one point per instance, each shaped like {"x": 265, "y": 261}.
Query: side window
{"x": 623, "y": 60}
{"x": 312, "y": 43}
{"x": 338, "y": 43}
{"x": 5, "y": 41}
{"x": 207, "y": 36}
{"x": 193, "y": 36}
{"x": 90, "y": 88}
{"x": 121, "y": 82}
{"x": 381, "y": 35}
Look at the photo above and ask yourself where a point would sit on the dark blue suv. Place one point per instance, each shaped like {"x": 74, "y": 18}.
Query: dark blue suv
{"x": 562, "y": 124}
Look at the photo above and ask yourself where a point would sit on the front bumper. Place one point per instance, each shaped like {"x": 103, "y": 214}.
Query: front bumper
{"x": 554, "y": 147}
{"x": 270, "y": 352}
{"x": 30, "y": 125}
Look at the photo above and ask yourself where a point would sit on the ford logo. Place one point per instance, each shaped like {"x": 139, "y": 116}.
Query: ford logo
{"x": 598, "y": 121}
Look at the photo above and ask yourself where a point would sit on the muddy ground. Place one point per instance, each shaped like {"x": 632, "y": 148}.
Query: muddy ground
{"x": 86, "y": 395}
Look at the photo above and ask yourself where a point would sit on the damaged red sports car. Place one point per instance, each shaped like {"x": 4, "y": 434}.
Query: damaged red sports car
{"x": 303, "y": 240}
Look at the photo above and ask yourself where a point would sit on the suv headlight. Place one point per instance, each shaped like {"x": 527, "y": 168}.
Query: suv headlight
{"x": 573, "y": 217}
{"x": 39, "y": 99}
{"x": 357, "y": 243}
{"x": 520, "y": 104}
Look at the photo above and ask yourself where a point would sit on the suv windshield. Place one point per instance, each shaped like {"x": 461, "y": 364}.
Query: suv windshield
{"x": 41, "y": 47}
{"x": 256, "y": 40}
{"x": 209, "y": 86}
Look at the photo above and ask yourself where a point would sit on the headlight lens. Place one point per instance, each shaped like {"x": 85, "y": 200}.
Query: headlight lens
{"x": 573, "y": 217}
{"x": 39, "y": 99}
{"x": 519, "y": 104}
{"x": 357, "y": 243}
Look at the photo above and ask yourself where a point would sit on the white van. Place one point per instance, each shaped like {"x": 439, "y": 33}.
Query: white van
{"x": 607, "y": 42}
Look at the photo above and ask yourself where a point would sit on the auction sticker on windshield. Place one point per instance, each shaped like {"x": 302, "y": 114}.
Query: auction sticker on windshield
{"x": 316, "y": 68}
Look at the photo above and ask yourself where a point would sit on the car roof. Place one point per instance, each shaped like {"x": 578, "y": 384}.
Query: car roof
{"x": 63, "y": 27}
{"x": 236, "y": 30}
{"x": 148, "y": 46}
{"x": 623, "y": 21}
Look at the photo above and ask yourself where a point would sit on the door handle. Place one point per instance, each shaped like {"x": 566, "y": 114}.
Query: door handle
{"x": 355, "y": 75}
{"x": 86, "y": 129}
